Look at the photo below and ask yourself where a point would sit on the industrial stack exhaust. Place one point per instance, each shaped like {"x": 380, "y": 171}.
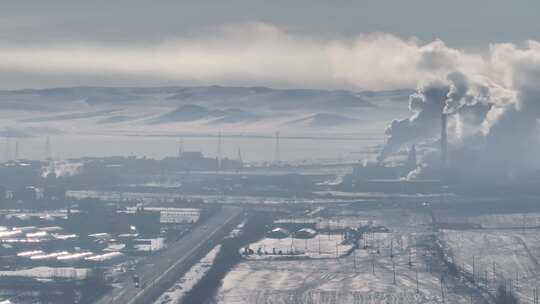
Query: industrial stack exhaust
{"x": 444, "y": 141}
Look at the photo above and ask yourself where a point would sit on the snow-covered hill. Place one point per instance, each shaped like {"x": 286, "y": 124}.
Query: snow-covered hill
{"x": 110, "y": 110}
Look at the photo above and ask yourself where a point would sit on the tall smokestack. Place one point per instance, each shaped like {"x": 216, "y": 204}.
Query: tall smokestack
{"x": 444, "y": 140}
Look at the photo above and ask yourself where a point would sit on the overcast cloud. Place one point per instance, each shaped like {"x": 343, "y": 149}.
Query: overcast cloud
{"x": 248, "y": 55}
{"x": 354, "y": 45}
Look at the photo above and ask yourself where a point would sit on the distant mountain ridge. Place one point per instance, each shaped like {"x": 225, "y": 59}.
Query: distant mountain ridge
{"x": 204, "y": 94}
{"x": 189, "y": 109}
{"x": 321, "y": 120}
{"x": 192, "y": 112}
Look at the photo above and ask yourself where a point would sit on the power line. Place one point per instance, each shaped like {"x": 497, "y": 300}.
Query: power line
{"x": 239, "y": 157}
{"x": 16, "y": 157}
{"x": 7, "y": 151}
{"x": 48, "y": 153}
{"x": 219, "y": 150}
{"x": 180, "y": 147}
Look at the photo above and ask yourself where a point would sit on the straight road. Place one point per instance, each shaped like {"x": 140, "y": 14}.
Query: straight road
{"x": 154, "y": 268}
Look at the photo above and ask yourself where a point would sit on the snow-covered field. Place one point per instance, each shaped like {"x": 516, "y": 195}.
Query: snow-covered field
{"x": 403, "y": 265}
{"x": 512, "y": 220}
{"x": 365, "y": 276}
{"x": 44, "y": 272}
{"x": 497, "y": 257}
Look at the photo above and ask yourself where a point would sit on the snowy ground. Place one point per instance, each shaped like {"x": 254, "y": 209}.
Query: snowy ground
{"x": 499, "y": 256}
{"x": 512, "y": 220}
{"x": 365, "y": 276}
{"x": 44, "y": 272}
{"x": 411, "y": 263}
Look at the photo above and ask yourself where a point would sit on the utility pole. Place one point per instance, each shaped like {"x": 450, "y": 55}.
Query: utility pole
{"x": 277, "y": 152}
{"x": 16, "y": 157}
{"x": 494, "y": 273}
{"x": 442, "y": 289}
{"x": 354, "y": 260}
{"x": 48, "y": 153}
{"x": 219, "y": 151}
{"x": 417, "y": 287}
{"x": 7, "y": 151}
{"x": 394, "y": 270}
{"x": 292, "y": 243}
{"x": 473, "y": 268}
{"x": 180, "y": 147}
{"x": 239, "y": 157}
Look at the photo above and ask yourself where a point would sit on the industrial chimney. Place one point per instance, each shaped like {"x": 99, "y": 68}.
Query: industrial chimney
{"x": 444, "y": 141}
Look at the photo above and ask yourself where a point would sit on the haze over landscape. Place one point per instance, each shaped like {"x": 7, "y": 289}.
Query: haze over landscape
{"x": 250, "y": 52}
{"x": 269, "y": 152}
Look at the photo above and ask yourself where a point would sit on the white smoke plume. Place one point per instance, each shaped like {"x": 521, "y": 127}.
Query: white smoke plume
{"x": 493, "y": 109}
{"x": 61, "y": 168}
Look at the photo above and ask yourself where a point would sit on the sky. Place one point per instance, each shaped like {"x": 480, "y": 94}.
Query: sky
{"x": 300, "y": 43}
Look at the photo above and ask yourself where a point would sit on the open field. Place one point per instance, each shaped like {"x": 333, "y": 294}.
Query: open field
{"x": 497, "y": 257}
{"x": 364, "y": 276}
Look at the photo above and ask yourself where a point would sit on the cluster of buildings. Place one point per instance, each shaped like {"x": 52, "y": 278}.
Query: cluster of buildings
{"x": 22, "y": 184}
{"x": 185, "y": 161}
{"x": 196, "y": 161}
{"x": 27, "y": 194}
{"x": 82, "y": 237}
{"x": 85, "y": 236}
{"x": 394, "y": 178}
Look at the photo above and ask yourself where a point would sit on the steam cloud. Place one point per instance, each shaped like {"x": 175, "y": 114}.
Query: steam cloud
{"x": 494, "y": 109}
{"x": 61, "y": 168}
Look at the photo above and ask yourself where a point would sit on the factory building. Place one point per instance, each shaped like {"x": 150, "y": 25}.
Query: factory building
{"x": 92, "y": 218}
